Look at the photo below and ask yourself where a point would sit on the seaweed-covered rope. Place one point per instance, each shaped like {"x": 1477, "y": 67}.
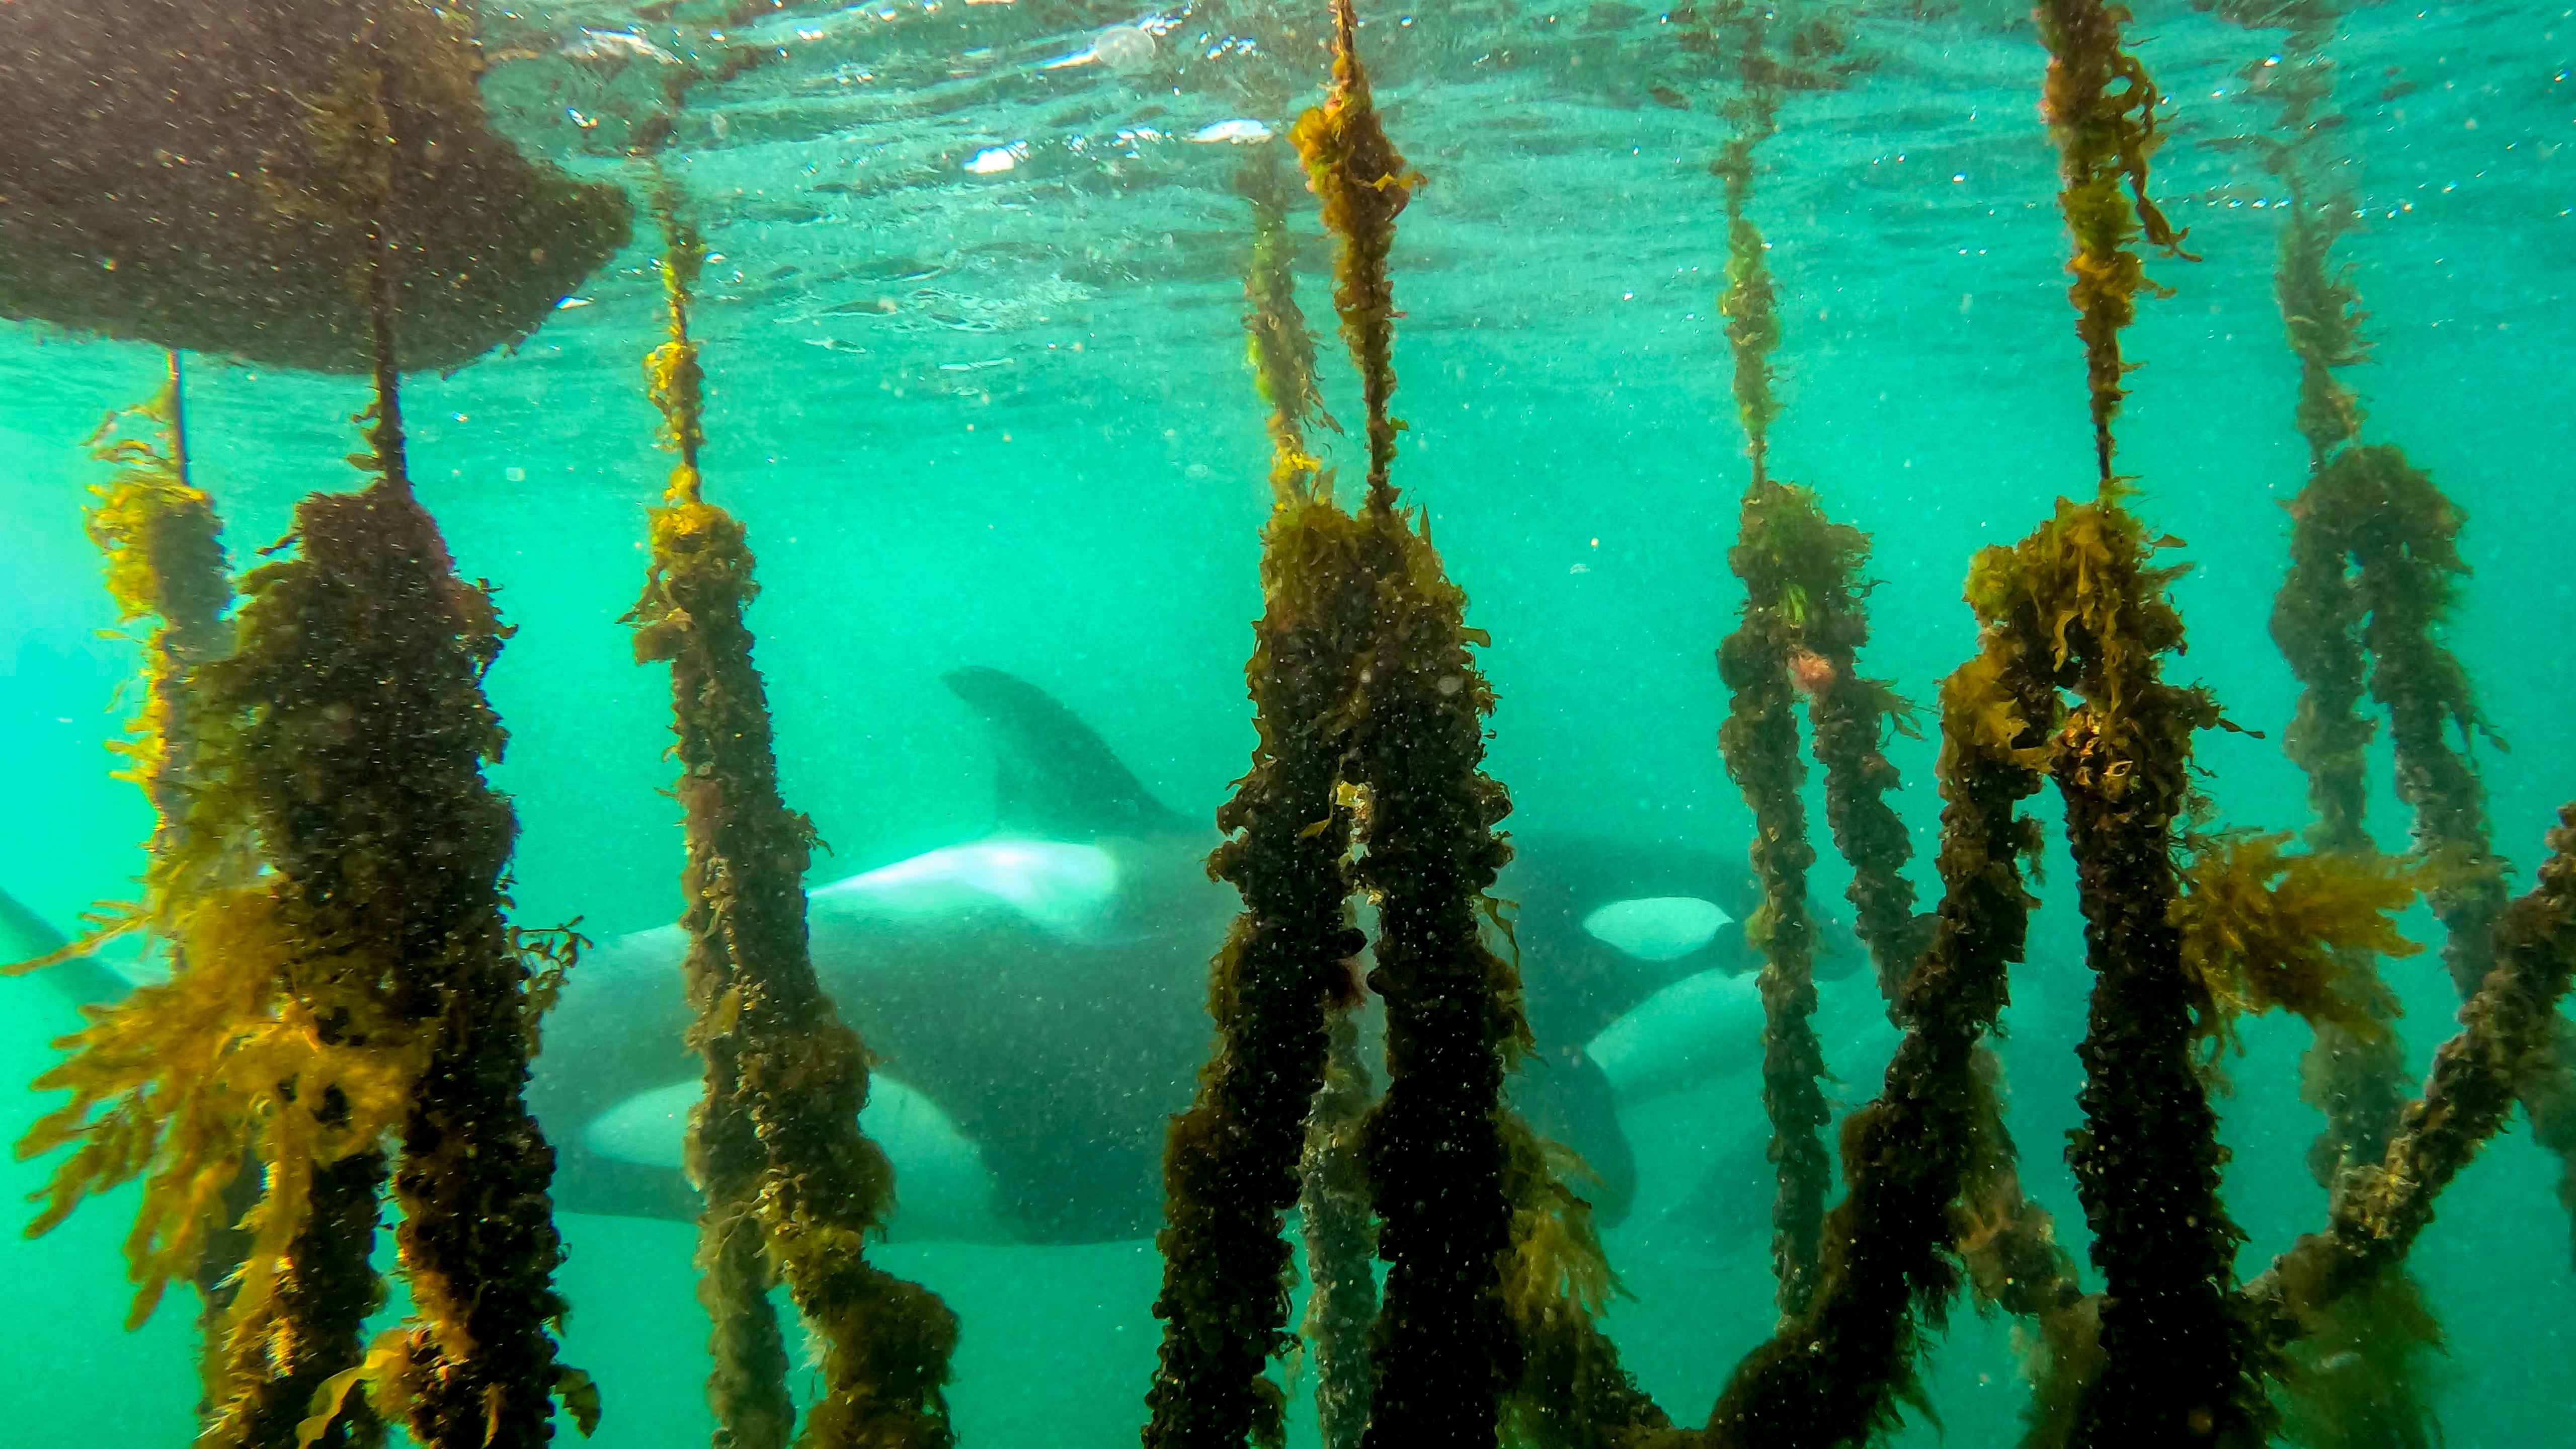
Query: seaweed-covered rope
{"x": 777, "y": 1140}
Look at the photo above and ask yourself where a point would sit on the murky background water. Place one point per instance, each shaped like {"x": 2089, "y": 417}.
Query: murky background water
{"x": 976, "y": 387}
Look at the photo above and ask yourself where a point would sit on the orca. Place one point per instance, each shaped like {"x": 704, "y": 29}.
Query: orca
{"x": 1034, "y": 1001}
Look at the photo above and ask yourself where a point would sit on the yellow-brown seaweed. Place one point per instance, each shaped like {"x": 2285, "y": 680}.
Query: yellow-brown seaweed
{"x": 365, "y": 987}
{"x": 1363, "y": 183}
{"x": 794, "y": 1189}
{"x": 1833, "y": 1374}
{"x": 2101, "y": 109}
{"x": 1804, "y": 623}
{"x": 1281, "y": 987}
{"x": 2506, "y": 1034}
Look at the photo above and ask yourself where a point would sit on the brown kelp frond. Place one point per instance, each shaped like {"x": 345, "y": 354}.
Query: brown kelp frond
{"x": 2264, "y": 929}
{"x": 2320, "y": 302}
{"x": 673, "y": 380}
{"x": 1556, "y": 1254}
{"x": 343, "y": 972}
{"x": 1341, "y": 1240}
{"x": 1835, "y": 1374}
{"x": 165, "y": 559}
{"x": 2316, "y": 621}
{"x": 1806, "y": 604}
{"x": 2370, "y": 509}
{"x": 2356, "y": 1078}
{"x": 385, "y": 661}
{"x": 1283, "y": 1089}
{"x": 1230, "y": 1164}
{"x": 284, "y": 1032}
{"x": 2361, "y": 1380}
{"x": 2506, "y": 1031}
{"x": 402, "y": 858}
{"x": 2321, "y": 309}
{"x": 1749, "y": 305}
{"x": 166, "y": 565}
{"x": 157, "y": 1090}
{"x": 2101, "y": 109}
{"x": 2375, "y": 576}
{"x": 886, "y": 1342}
{"x": 698, "y": 552}
{"x": 2008, "y": 1245}
{"x": 177, "y": 1082}
{"x": 1276, "y": 343}
{"x": 1573, "y": 1393}
{"x": 2368, "y": 503}
{"x": 2374, "y": 561}
{"x": 2089, "y": 605}
{"x": 1805, "y": 565}
{"x": 388, "y": 1382}
{"x": 1803, "y": 623}
{"x": 1749, "y": 301}
{"x": 794, "y": 1188}
{"x": 1363, "y": 183}
{"x": 361, "y": 1030}
{"x": 1443, "y": 1349}
{"x": 2087, "y": 583}
{"x": 2176, "y": 1361}
{"x": 1784, "y": 546}
{"x": 1806, "y": 572}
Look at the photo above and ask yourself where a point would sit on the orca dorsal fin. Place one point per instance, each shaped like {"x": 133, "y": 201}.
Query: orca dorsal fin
{"x": 1053, "y": 775}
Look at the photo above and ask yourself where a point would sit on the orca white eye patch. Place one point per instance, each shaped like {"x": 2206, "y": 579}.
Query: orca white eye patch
{"x": 1657, "y": 928}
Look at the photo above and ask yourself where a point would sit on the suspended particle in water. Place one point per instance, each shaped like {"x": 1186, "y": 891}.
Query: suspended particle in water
{"x": 1239, "y": 131}
{"x": 1125, "y": 49}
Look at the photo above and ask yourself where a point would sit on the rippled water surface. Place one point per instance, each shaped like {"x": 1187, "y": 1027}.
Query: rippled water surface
{"x": 972, "y": 329}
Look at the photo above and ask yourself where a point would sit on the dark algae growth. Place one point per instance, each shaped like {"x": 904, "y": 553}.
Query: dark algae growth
{"x": 2101, "y": 110}
{"x": 1760, "y": 736}
{"x": 347, "y": 998}
{"x": 2372, "y": 583}
{"x": 2176, "y": 1363}
{"x": 2506, "y": 1033}
{"x": 1368, "y": 777}
{"x": 1443, "y": 1351}
{"x": 747, "y": 1385}
{"x": 339, "y": 1007}
{"x": 1282, "y": 985}
{"x": 211, "y": 236}
{"x": 793, "y": 1188}
{"x": 1363, "y": 184}
{"x": 1805, "y": 621}
{"x": 2375, "y": 570}
{"x": 403, "y": 875}
{"x": 2067, "y": 687}
{"x": 2147, "y": 1158}
{"x": 1832, "y": 1375}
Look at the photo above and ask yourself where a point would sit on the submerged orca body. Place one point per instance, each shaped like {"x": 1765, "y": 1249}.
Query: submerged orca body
{"x": 1036, "y": 1003}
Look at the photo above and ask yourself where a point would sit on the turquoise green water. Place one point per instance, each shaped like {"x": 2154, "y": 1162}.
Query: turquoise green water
{"x": 999, "y": 417}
